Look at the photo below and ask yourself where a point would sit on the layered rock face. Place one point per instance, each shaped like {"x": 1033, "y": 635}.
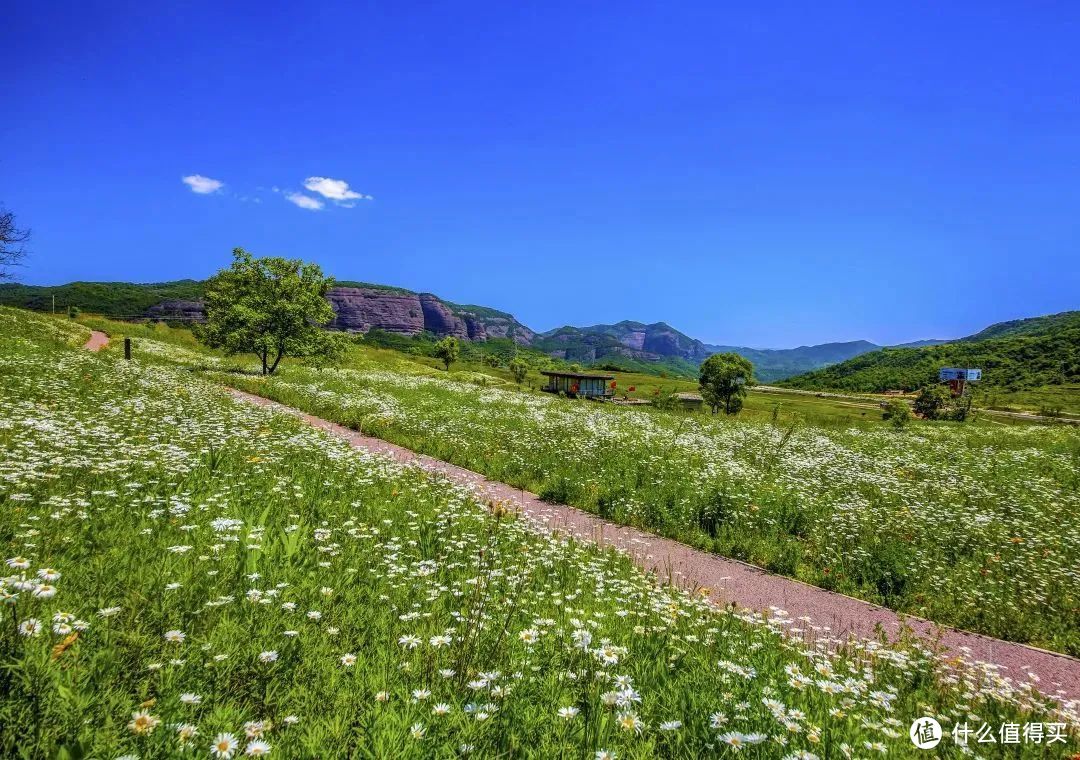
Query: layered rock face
{"x": 401, "y": 312}
{"x": 362, "y": 309}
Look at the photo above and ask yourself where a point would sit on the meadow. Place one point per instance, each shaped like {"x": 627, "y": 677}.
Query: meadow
{"x": 188, "y": 576}
{"x": 970, "y": 525}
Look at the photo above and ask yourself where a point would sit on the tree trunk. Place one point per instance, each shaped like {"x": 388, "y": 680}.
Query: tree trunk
{"x": 262, "y": 355}
{"x": 280, "y": 353}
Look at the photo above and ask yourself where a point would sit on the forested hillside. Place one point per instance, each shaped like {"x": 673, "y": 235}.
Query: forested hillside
{"x": 1016, "y": 355}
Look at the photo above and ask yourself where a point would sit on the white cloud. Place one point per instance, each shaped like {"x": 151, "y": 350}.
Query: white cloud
{"x": 202, "y": 185}
{"x": 336, "y": 190}
{"x": 304, "y": 201}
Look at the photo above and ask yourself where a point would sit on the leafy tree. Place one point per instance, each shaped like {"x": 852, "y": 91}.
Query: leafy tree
{"x": 724, "y": 379}
{"x": 272, "y": 307}
{"x": 898, "y": 412}
{"x": 519, "y": 369}
{"x": 73, "y": 312}
{"x": 11, "y": 243}
{"x": 933, "y": 401}
{"x": 448, "y": 349}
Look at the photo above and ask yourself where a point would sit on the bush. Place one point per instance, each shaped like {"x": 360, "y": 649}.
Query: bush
{"x": 898, "y": 412}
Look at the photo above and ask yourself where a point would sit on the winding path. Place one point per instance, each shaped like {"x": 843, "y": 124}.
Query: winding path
{"x": 820, "y": 614}
{"x": 98, "y": 340}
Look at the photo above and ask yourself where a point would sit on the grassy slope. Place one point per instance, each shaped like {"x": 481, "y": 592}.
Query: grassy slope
{"x": 250, "y": 534}
{"x": 838, "y": 501}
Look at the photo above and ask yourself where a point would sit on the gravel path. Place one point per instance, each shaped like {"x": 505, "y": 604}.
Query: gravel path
{"x": 820, "y": 613}
{"x": 98, "y": 340}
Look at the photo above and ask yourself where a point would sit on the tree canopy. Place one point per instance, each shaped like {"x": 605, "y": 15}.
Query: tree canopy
{"x": 272, "y": 307}
{"x": 724, "y": 379}
{"x": 448, "y": 349}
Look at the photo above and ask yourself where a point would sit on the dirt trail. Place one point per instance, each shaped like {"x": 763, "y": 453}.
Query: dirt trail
{"x": 98, "y": 340}
{"x": 727, "y": 581}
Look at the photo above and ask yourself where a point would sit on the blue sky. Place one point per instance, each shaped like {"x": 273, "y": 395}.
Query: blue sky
{"x": 775, "y": 176}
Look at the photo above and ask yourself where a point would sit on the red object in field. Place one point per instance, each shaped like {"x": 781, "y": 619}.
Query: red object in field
{"x": 612, "y": 385}
{"x": 631, "y": 389}
{"x": 575, "y": 388}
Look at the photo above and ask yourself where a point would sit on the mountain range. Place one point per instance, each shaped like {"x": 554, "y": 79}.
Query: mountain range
{"x": 630, "y": 345}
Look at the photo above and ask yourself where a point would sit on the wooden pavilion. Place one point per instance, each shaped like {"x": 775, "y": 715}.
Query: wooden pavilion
{"x": 578, "y": 384}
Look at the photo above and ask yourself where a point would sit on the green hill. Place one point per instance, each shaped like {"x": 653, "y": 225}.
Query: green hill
{"x": 112, "y": 299}
{"x": 1017, "y": 355}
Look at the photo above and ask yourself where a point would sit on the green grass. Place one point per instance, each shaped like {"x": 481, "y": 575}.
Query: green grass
{"x": 183, "y": 566}
{"x": 972, "y": 525}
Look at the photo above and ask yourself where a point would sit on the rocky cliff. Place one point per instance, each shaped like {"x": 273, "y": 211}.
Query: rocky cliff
{"x": 361, "y": 308}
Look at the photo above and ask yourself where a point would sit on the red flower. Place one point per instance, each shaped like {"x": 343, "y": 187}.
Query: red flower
{"x": 631, "y": 389}
{"x": 612, "y": 385}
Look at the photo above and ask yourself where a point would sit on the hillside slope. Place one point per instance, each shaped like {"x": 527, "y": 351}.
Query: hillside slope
{"x": 112, "y": 299}
{"x": 1016, "y": 355}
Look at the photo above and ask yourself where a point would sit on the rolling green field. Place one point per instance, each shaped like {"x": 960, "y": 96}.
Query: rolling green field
{"x": 972, "y": 525}
{"x": 189, "y": 576}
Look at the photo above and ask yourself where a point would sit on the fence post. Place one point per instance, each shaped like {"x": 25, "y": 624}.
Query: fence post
{"x": 127, "y": 348}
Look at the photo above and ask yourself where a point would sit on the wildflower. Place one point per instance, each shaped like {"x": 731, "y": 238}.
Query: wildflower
{"x": 439, "y": 641}
{"x": 629, "y": 722}
{"x": 348, "y": 660}
{"x": 605, "y": 754}
{"x": 268, "y": 656}
{"x": 737, "y": 740}
{"x": 419, "y": 695}
{"x": 717, "y": 720}
{"x": 257, "y": 748}
{"x": 440, "y": 709}
{"x": 382, "y": 696}
{"x": 19, "y": 563}
{"x": 188, "y": 698}
{"x": 45, "y": 591}
{"x": 186, "y": 732}
{"x": 175, "y": 637}
{"x": 409, "y": 641}
{"x": 142, "y": 722}
{"x": 529, "y": 636}
{"x": 48, "y": 575}
{"x": 224, "y": 745}
{"x": 671, "y": 725}
{"x": 290, "y": 720}
{"x": 30, "y": 627}
{"x": 254, "y": 729}
{"x": 417, "y": 731}
{"x": 107, "y": 612}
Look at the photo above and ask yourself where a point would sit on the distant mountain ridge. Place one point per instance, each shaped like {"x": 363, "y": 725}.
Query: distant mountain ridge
{"x": 632, "y": 345}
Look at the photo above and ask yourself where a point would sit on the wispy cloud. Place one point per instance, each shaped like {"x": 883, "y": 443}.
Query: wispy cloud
{"x": 202, "y": 185}
{"x": 304, "y": 201}
{"x": 336, "y": 190}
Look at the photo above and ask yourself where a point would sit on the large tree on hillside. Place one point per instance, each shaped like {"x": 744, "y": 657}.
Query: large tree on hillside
{"x": 272, "y": 307}
{"x": 12, "y": 238}
{"x": 723, "y": 380}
